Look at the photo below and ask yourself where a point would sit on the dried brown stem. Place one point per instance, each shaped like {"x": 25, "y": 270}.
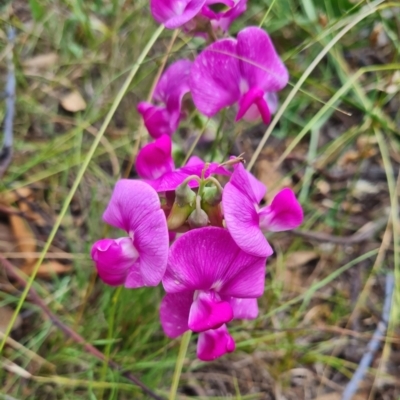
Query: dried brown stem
{"x": 35, "y": 298}
{"x": 364, "y": 233}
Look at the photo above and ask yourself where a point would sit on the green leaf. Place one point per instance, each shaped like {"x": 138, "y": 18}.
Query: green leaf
{"x": 37, "y": 9}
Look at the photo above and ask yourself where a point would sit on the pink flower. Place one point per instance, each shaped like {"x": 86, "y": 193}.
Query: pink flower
{"x": 223, "y": 20}
{"x": 246, "y": 70}
{"x": 140, "y": 259}
{"x": 155, "y": 159}
{"x": 163, "y": 117}
{"x": 209, "y": 281}
{"x": 175, "y": 13}
{"x": 154, "y": 164}
{"x": 246, "y": 222}
{"x": 214, "y": 343}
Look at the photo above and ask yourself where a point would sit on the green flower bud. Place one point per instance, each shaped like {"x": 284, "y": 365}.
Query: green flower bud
{"x": 184, "y": 195}
{"x": 214, "y": 214}
{"x": 212, "y": 195}
{"x": 178, "y": 216}
{"x": 198, "y": 218}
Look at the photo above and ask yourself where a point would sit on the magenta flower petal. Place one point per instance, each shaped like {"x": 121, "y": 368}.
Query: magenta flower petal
{"x": 174, "y": 313}
{"x": 113, "y": 259}
{"x": 214, "y": 343}
{"x": 248, "y": 183}
{"x": 215, "y": 77}
{"x": 135, "y": 207}
{"x": 164, "y": 116}
{"x": 130, "y": 202}
{"x": 208, "y": 311}
{"x": 154, "y": 159}
{"x": 242, "y": 221}
{"x": 169, "y": 181}
{"x": 157, "y": 119}
{"x": 282, "y": 214}
{"x": 175, "y": 13}
{"x": 252, "y": 104}
{"x": 152, "y": 241}
{"x": 244, "y": 308}
{"x": 225, "y": 19}
{"x": 260, "y": 65}
{"x": 134, "y": 279}
{"x": 173, "y": 85}
{"x": 208, "y": 259}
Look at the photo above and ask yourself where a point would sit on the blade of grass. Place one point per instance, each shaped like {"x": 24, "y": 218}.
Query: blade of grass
{"x": 79, "y": 177}
{"x": 303, "y": 78}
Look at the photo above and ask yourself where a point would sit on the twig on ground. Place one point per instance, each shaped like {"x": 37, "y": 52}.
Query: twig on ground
{"x": 366, "y": 232}
{"x": 35, "y": 298}
{"x": 373, "y": 345}
{"x": 6, "y": 151}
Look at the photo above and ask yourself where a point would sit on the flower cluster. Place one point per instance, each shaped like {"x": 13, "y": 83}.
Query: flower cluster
{"x": 202, "y": 239}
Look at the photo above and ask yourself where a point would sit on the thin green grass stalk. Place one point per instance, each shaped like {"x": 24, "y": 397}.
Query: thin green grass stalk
{"x": 266, "y": 14}
{"x": 218, "y": 137}
{"x": 329, "y": 105}
{"x": 67, "y": 382}
{"x": 79, "y": 177}
{"x": 193, "y": 146}
{"x": 179, "y": 364}
{"x": 110, "y": 333}
{"x": 312, "y": 153}
{"x": 303, "y": 78}
{"x": 306, "y": 297}
{"x": 394, "y": 209}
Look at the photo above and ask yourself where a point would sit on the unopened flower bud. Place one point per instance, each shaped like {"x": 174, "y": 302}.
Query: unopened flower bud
{"x": 178, "y": 216}
{"x": 184, "y": 195}
{"x": 212, "y": 195}
{"x": 214, "y": 214}
{"x": 198, "y": 219}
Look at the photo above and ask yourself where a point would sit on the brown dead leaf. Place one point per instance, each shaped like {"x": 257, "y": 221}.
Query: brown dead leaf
{"x": 23, "y": 236}
{"x": 300, "y": 258}
{"x": 41, "y": 61}
{"x": 338, "y": 396}
{"x": 47, "y": 270}
{"x": 329, "y": 396}
{"x": 6, "y": 314}
{"x": 11, "y": 197}
{"x": 317, "y": 313}
{"x": 73, "y": 102}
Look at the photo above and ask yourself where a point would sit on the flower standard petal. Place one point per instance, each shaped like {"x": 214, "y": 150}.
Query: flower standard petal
{"x": 174, "y": 313}
{"x": 163, "y": 117}
{"x": 214, "y": 343}
{"x": 113, "y": 259}
{"x": 151, "y": 239}
{"x": 215, "y": 77}
{"x": 248, "y": 183}
{"x": 130, "y": 203}
{"x": 242, "y": 221}
{"x": 157, "y": 120}
{"x": 173, "y": 85}
{"x": 175, "y": 13}
{"x": 135, "y": 207}
{"x": 154, "y": 159}
{"x": 208, "y": 259}
{"x": 260, "y": 65}
{"x": 282, "y": 214}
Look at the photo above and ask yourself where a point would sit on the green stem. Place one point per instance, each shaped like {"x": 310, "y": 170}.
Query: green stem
{"x": 79, "y": 177}
{"x": 114, "y": 302}
{"x": 217, "y": 136}
{"x": 179, "y": 363}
